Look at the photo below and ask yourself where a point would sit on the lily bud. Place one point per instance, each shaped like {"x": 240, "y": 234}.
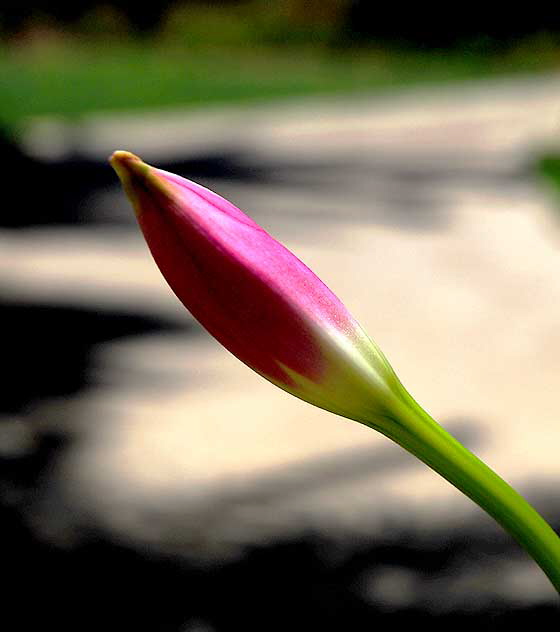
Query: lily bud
{"x": 257, "y": 298}
{"x": 264, "y": 305}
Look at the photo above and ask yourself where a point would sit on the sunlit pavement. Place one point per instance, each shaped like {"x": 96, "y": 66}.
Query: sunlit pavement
{"x": 422, "y": 212}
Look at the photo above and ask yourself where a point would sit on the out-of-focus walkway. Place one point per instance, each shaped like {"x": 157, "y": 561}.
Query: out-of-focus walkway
{"x": 421, "y": 211}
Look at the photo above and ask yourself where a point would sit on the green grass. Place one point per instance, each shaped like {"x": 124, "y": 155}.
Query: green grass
{"x": 548, "y": 168}
{"x": 70, "y": 79}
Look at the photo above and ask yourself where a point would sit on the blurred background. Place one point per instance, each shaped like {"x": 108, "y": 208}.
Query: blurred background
{"x": 409, "y": 155}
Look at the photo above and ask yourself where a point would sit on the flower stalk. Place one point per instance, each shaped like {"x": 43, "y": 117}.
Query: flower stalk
{"x": 438, "y": 449}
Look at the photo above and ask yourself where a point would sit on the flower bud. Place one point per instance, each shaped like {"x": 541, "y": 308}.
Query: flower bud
{"x": 257, "y": 298}
{"x": 264, "y": 305}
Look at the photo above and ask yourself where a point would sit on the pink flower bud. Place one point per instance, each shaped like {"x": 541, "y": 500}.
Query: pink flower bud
{"x": 255, "y": 297}
{"x": 264, "y": 305}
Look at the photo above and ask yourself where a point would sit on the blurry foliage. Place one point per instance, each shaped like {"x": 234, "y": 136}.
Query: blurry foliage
{"x": 548, "y": 167}
{"x": 247, "y": 24}
{"x": 66, "y": 58}
{"x": 71, "y": 78}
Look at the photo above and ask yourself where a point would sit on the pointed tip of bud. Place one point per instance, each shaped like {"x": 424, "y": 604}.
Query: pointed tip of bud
{"x": 128, "y": 165}
{"x": 132, "y": 172}
{"x": 121, "y": 156}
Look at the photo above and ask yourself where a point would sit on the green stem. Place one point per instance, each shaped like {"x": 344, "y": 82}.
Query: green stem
{"x": 419, "y": 434}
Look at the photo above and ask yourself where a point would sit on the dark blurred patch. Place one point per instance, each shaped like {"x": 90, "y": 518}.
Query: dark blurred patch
{"x": 295, "y": 584}
{"x": 59, "y": 192}
{"x": 46, "y": 348}
{"x": 46, "y": 352}
{"x": 434, "y": 26}
{"x": 389, "y": 189}
{"x": 356, "y": 22}
{"x": 15, "y": 14}
{"x": 302, "y": 582}
{"x": 47, "y": 193}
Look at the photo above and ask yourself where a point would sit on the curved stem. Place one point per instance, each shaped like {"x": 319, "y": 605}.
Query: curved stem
{"x": 420, "y": 435}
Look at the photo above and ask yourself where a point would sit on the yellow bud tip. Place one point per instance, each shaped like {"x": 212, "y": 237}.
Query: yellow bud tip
{"x": 128, "y": 165}
{"x": 132, "y": 172}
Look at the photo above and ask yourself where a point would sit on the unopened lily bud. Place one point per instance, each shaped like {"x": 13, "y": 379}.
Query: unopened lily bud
{"x": 267, "y": 307}
{"x": 256, "y": 297}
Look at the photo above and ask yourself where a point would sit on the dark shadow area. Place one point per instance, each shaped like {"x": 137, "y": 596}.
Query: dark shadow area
{"x": 58, "y": 192}
{"x": 46, "y": 348}
{"x": 394, "y": 190}
{"x": 469, "y": 28}
{"x": 305, "y": 581}
{"x": 302, "y": 583}
{"x": 15, "y": 14}
{"x": 47, "y": 193}
{"x": 46, "y": 351}
{"x": 356, "y": 22}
